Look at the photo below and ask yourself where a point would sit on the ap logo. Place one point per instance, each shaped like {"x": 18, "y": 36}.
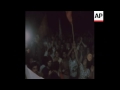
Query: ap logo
{"x": 98, "y": 16}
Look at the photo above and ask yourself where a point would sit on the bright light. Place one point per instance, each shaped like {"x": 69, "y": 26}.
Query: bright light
{"x": 27, "y": 36}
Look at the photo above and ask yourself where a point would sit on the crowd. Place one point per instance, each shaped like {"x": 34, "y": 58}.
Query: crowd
{"x": 55, "y": 58}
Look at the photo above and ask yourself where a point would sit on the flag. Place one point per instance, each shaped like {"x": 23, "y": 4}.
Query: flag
{"x": 31, "y": 75}
{"x": 69, "y": 16}
{"x": 60, "y": 31}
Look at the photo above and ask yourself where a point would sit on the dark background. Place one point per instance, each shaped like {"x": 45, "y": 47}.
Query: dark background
{"x": 102, "y": 43}
{"x": 83, "y": 21}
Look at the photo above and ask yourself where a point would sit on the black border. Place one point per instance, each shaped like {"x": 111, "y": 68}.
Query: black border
{"x": 18, "y": 53}
{"x": 100, "y": 50}
{"x": 16, "y": 43}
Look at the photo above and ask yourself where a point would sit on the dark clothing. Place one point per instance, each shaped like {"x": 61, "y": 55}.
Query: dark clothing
{"x": 27, "y": 57}
{"x": 54, "y": 75}
{"x": 73, "y": 77}
{"x": 45, "y": 72}
{"x": 89, "y": 63}
{"x": 65, "y": 66}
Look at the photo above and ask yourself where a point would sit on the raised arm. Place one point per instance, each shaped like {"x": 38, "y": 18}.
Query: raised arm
{"x": 83, "y": 43}
{"x": 76, "y": 51}
{"x": 46, "y": 51}
{"x": 69, "y": 52}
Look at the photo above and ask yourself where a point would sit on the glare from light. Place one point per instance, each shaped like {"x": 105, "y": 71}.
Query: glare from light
{"x": 27, "y": 36}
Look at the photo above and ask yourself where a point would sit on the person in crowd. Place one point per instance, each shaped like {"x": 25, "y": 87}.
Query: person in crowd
{"x": 89, "y": 59}
{"x": 29, "y": 60}
{"x": 65, "y": 65}
{"x": 91, "y": 72}
{"x": 44, "y": 59}
{"x": 47, "y": 69}
{"x": 61, "y": 49}
{"x": 57, "y": 57}
{"x": 81, "y": 45}
{"x": 84, "y": 72}
{"x": 28, "y": 52}
{"x": 55, "y": 71}
{"x": 73, "y": 62}
{"x": 34, "y": 67}
{"x": 48, "y": 52}
{"x": 67, "y": 46}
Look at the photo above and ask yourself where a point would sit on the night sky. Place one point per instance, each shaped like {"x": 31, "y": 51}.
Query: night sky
{"x": 82, "y": 21}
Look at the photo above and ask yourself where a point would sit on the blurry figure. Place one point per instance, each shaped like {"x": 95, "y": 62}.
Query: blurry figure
{"x": 44, "y": 59}
{"x": 34, "y": 67}
{"x": 73, "y": 64}
{"x": 89, "y": 56}
{"x": 91, "y": 72}
{"x": 65, "y": 66}
{"x": 47, "y": 69}
{"x": 28, "y": 52}
{"x": 90, "y": 60}
{"x": 32, "y": 60}
{"x": 57, "y": 58}
{"x": 29, "y": 57}
{"x": 49, "y": 52}
{"x": 84, "y": 71}
{"x": 61, "y": 49}
{"x": 81, "y": 47}
{"x": 55, "y": 71}
{"x": 73, "y": 67}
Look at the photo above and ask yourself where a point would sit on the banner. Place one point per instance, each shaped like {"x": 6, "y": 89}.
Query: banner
{"x": 30, "y": 74}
